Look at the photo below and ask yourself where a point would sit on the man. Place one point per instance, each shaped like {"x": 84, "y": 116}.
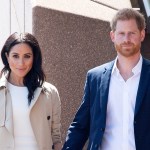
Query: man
{"x": 115, "y": 110}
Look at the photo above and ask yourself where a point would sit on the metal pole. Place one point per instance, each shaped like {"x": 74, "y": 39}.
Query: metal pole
{"x": 24, "y": 14}
{"x": 10, "y": 15}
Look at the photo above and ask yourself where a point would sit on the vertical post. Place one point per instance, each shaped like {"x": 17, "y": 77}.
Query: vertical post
{"x": 147, "y": 10}
{"x": 10, "y": 16}
{"x": 24, "y": 14}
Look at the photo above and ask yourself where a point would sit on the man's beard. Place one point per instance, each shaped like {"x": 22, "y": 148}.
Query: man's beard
{"x": 126, "y": 51}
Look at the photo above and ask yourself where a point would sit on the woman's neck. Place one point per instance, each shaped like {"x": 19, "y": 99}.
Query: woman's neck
{"x": 15, "y": 80}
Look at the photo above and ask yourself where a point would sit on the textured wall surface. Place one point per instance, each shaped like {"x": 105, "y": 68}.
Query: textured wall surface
{"x": 71, "y": 45}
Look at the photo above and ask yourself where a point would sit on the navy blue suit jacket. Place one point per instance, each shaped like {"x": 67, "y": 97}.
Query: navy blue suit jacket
{"x": 90, "y": 119}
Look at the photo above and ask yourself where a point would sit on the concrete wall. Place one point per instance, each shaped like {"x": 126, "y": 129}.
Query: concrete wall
{"x": 71, "y": 45}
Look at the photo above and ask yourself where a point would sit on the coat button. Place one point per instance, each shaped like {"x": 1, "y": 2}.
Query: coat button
{"x": 102, "y": 129}
{"x": 134, "y": 122}
{"x": 96, "y": 146}
{"x": 48, "y": 117}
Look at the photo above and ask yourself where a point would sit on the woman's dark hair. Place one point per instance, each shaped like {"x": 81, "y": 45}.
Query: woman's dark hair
{"x": 35, "y": 77}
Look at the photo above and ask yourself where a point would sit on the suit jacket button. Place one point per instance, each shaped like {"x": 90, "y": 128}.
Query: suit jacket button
{"x": 102, "y": 129}
{"x": 48, "y": 117}
{"x": 96, "y": 145}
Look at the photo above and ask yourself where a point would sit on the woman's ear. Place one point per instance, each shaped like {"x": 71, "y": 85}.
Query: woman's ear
{"x": 6, "y": 54}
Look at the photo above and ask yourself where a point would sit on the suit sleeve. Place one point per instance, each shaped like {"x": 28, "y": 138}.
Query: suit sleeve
{"x": 78, "y": 131}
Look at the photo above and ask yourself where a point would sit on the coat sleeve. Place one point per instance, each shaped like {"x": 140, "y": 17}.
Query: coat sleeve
{"x": 78, "y": 131}
{"x": 56, "y": 117}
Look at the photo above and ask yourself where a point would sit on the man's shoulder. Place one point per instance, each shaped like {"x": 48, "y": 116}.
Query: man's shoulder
{"x": 146, "y": 61}
{"x": 101, "y": 68}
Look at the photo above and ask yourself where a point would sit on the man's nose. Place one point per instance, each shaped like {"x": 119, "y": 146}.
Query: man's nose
{"x": 126, "y": 38}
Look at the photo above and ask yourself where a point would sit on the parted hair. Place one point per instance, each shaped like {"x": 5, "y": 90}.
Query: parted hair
{"x": 127, "y": 14}
{"x": 35, "y": 77}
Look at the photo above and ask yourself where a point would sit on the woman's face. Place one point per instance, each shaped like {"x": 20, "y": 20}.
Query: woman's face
{"x": 20, "y": 59}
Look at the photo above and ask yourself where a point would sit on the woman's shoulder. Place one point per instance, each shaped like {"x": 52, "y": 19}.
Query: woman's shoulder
{"x": 3, "y": 81}
{"x": 50, "y": 90}
{"x": 49, "y": 87}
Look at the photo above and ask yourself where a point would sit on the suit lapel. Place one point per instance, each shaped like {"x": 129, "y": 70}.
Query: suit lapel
{"x": 145, "y": 76}
{"x": 104, "y": 87}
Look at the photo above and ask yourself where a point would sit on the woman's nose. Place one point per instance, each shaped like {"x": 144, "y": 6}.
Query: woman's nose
{"x": 20, "y": 61}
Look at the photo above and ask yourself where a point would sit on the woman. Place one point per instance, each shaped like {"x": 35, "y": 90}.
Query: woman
{"x": 29, "y": 107}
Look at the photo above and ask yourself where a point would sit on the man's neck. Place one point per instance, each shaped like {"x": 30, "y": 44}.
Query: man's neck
{"x": 126, "y": 64}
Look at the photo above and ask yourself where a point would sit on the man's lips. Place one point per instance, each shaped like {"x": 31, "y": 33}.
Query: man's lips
{"x": 126, "y": 45}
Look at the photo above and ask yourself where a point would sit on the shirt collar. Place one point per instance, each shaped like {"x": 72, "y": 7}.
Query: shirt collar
{"x": 115, "y": 69}
{"x": 138, "y": 67}
{"x": 135, "y": 70}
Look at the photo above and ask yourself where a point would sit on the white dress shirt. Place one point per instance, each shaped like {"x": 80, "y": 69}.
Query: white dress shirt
{"x": 119, "y": 131}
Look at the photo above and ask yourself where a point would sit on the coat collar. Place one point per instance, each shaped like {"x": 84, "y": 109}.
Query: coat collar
{"x": 5, "y": 107}
{"x": 4, "y": 83}
{"x": 2, "y": 108}
{"x": 36, "y": 95}
{"x": 145, "y": 77}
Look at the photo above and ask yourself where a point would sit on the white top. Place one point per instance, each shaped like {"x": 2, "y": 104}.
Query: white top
{"x": 119, "y": 132}
{"x": 23, "y": 134}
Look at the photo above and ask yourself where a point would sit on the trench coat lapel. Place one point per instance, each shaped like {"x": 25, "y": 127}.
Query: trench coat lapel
{"x": 2, "y": 108}
{"x": 9, "y": 112}
{"x": 36, "y": 95}
{"x": 6, "y": 118}
{"x": 2, "y": 101}
{"x": 145, "y": 77}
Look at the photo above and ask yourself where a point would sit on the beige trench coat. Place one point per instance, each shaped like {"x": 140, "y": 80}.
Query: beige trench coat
{"x": 45, "y": 110}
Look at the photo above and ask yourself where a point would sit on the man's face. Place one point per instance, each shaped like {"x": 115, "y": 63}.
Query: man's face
{"x": 127, "y": 38}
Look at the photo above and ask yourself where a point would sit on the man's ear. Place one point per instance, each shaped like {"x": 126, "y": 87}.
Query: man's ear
{"x": 112, "y": 36}
{"x": 142, "y": 35}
